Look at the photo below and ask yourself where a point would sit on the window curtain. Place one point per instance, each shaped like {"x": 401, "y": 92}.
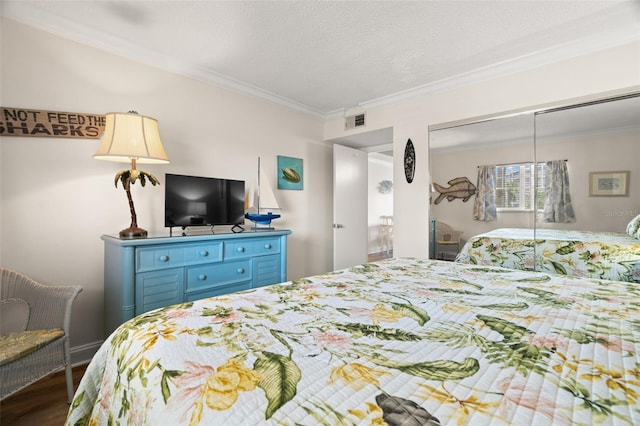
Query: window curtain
{"x": 484, "y": 207}
{"x": 557, "y": 201}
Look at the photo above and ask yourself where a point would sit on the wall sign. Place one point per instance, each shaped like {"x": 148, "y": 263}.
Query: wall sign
{"x": 50, "y": 124}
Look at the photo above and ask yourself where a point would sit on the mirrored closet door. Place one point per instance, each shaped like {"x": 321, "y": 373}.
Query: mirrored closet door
{"x": 590, "y": 162}
{"x": 596, "y": 144}
{"x": 600, "y": 142}
{"x": 458, "y": 151}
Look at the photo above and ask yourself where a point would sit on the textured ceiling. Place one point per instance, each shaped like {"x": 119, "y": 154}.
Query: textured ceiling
{"x": 324, "y": 57}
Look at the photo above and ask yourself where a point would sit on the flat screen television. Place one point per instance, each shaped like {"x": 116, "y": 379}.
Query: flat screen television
{"x": 202, "y": 201}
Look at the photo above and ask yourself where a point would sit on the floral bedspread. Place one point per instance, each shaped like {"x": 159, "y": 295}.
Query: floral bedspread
{"x": 604, "y": 255}
{"x": 397, "y": 342}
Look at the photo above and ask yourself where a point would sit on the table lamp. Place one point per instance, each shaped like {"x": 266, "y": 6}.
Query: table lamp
{"x": 136, "y": 138}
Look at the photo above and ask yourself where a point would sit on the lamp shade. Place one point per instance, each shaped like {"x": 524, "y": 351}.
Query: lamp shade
{"x": 130, "y": 136}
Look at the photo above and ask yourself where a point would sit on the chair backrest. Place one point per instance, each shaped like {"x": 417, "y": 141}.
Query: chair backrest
{"x": 445, "y": 232}
{"x": 50, "y": 306}
{"x": 14, "y": 316}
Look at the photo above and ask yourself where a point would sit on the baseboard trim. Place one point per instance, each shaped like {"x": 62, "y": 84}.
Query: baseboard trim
{"x": 84, "y": 353}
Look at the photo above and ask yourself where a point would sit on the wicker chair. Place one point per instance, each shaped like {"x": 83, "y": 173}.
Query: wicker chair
{"x": 447, "y": 241}
{"x": 40, "y": 345}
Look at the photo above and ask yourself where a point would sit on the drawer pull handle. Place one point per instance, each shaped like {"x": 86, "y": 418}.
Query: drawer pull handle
{"x": 202, "y": 277}
{"x": 164, "y": 258}
{"x": 241, "y": 270}
{"x": 240, "y": 249}
{"x": 267, "y": 246}
{"x": 204, "y": 253}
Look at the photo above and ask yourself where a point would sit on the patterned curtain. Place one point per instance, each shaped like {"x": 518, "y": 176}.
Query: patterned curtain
{"x": 484, "y": 207}
{"x": 557, "y": 201}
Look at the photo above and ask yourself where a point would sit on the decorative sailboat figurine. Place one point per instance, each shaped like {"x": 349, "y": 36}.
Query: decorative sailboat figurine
{"x": 259, "y": 199}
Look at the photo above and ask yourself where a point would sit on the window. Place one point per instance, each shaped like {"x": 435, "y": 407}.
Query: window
{"x": 515, "y": 186}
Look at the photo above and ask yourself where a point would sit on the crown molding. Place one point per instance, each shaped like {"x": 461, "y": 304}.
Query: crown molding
{"x": 518, "y": 64}
{"x": 86, "y": 35}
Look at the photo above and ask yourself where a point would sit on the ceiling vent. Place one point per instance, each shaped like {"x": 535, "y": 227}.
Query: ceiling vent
{"x": 353, "y": 121}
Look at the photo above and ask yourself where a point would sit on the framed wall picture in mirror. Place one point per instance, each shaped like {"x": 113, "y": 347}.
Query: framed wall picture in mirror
{"x": 609, "y": 184}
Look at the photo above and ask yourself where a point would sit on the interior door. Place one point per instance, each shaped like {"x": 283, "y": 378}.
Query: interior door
{"x": 350, "y": 201}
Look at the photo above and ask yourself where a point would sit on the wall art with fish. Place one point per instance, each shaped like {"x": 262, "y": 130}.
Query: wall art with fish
{"x": 460, "y": 187}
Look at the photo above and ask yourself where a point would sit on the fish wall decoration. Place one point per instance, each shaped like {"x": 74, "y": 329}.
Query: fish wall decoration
{"x": 459, "y": 187}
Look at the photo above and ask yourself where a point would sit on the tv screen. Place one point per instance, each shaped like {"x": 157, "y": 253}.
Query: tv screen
{"x": 202, "y": 201}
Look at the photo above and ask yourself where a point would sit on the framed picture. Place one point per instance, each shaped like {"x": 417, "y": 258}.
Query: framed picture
{"x": 290, "y": 174}
{"x": 609, "y": 184}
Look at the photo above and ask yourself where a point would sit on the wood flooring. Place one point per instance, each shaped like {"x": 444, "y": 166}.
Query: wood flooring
{"x": 372, "y": 257}
{"x": 44, "y": 403}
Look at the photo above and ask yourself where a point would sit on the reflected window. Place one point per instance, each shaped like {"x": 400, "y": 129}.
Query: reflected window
{"x": 518, "y": 187}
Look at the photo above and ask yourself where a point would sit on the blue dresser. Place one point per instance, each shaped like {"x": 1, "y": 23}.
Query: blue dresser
{"x": 148, "y": 273}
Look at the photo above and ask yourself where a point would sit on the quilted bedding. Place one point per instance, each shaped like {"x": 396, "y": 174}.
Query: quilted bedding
{"x": 604, "y": 255}
{"x": 397, "y": 342}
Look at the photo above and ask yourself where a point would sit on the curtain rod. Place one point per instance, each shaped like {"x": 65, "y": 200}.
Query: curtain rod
{"x": 513, "y": 164}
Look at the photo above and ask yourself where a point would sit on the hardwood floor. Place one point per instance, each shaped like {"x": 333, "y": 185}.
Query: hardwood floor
{"x": 44, "y": 403}
{"x": 372, "y": 257}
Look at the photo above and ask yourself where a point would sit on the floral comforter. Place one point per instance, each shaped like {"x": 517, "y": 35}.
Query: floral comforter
{"x": 397, "y": 342}
{"x": 603, "y": 255}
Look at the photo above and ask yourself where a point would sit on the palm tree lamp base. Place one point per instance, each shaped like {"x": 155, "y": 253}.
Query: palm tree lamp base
{"x": 133, "y": 232}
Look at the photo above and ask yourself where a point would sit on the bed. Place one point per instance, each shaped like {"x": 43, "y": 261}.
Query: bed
{"x": 604, "y": 255}
{"x": 398, "y": 342}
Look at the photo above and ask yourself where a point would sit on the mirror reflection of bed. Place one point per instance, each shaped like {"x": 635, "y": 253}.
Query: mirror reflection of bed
{"x": 602, "y": 255}
{"x": 602, "y": 135}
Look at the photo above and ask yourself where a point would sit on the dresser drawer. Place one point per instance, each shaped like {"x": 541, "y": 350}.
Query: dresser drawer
{"x": 171, "y": 255}
{"x": 218, "y": 275}
{"x": 254, "y": 247}
{"x": 217, "y": 291}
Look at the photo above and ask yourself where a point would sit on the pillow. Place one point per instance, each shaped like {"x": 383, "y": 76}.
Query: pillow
{"x": 633, "y": 228}
{"x": 14, "y": 316}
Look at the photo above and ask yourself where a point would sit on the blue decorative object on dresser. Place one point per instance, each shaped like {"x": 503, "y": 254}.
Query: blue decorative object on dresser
{"x": 150, "y": 273}
{"x": 262, "y": 219}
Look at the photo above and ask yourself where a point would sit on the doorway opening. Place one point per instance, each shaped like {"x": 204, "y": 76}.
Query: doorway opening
{"x": 378, "y": 215}
{"x": 380, "y": 206}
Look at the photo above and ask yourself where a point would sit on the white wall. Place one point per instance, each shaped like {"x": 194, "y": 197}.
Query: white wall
{"x": 56, "y": 200}
{"x": 606, "y": 70}
{"x": 380, "y": 168}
